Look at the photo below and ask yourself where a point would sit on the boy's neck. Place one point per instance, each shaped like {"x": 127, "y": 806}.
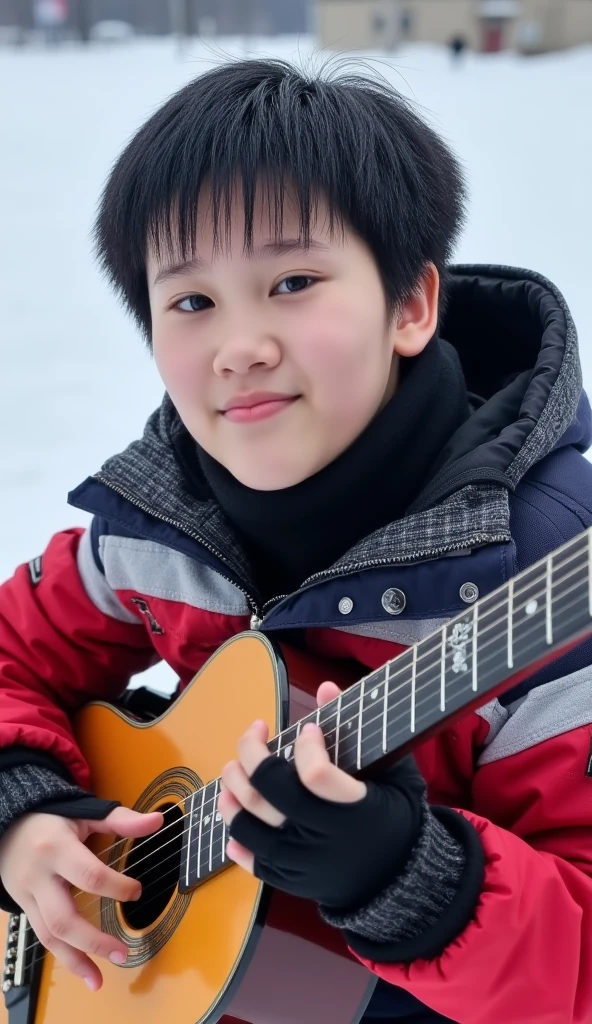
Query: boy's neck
{"x": 295, "y": 532}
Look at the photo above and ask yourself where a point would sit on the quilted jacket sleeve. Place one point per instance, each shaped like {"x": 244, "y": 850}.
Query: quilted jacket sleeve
{"x": 65, "y": 639}
{"x": 526, "y": 955}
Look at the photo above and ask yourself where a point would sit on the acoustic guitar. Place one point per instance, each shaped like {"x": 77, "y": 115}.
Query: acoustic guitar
{"x": 208, "y": 942}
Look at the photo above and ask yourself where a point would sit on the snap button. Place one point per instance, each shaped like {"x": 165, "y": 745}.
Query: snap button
{"x": 394, "y": 601}
{"x": 345, "y": 605}
{"x": 469, "y": 592}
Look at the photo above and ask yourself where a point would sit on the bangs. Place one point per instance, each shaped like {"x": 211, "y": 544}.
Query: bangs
{"x": 351, "y": 141}
{"x": 172, "y": 231}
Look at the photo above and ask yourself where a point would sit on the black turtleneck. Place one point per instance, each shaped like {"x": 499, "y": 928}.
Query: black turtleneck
{"x": 292, "y": 533}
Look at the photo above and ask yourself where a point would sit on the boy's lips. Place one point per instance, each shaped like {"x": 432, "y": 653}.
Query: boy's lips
{"x": 256, "y": 406}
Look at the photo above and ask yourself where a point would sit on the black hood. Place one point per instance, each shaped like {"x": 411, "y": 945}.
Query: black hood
{"x": 518, "y": 348}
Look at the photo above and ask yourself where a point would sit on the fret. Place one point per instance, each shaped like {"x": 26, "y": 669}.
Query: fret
{"x": 387, "y": 676}
{"x": 338, "y": 727}
{"x": 549, "y": 601}
{"x": 451, "y": 678}
{"x": 370, "y": 735}
{"x": 326, "y": 720}
{"x": 203, "y": 796}
{"x": 348, "y": 734}
{"x": 443, "y": 671}
{"x": 400, "y": 699}
{"x": 510, "y": 624}
{"x": 360, "y": 726}
{"x": 189, "y": 831}
{"x": 286, "y": 740}
{"x": 212, "y": 824}
{"x": 571, "y": 585}
{"x": 219, "y": 820}
{"x": 474, "y": 676}
{"x": 413, "y": 685}
{"x": 207, "y": 825}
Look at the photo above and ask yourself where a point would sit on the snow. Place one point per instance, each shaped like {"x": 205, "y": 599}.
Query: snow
{"x": 76, "y": 384}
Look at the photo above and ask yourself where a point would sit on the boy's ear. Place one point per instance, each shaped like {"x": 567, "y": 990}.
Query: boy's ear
{"x": 415, "y": 324}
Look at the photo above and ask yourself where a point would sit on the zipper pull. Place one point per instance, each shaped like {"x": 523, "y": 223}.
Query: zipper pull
{"x": 255, "y": 621}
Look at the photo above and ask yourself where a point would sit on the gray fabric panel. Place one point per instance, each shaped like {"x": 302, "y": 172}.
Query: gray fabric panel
{"x": 158, "y": 571}
{"x": 97, "y": 587}
{"x": 477, "y": 514}
{"x": 399, "y": 631}
{"x": 497, "y": 716}
{"x": 547, "y": 711}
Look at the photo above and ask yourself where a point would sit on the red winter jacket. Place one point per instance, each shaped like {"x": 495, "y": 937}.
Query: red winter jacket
{"x": 158, "y": 576}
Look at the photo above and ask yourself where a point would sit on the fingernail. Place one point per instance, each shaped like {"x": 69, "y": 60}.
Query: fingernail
{"x": 308, "y": 728}
{"x": 91, "y": 982}
{"x": 117, "y": 958}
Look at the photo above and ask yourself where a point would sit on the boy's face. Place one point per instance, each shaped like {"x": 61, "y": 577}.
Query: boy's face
{"x": 276, "y": 361}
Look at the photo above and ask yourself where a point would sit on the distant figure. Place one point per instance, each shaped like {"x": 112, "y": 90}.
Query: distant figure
{"x": 458, "y": 45}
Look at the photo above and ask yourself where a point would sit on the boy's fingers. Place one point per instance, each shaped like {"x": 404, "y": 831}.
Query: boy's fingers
{"x": 72, "y": 959}
{"x": 64, "y": 925}
{"x": 82, "y": 869}
{"x": 319, "y": 774}
{"x": 124, "y": 822}
{"x": 326, "y": 693}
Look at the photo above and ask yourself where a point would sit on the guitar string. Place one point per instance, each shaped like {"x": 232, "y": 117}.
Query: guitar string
{"x": 378, "y": 747}
{"x": 428, "y": 653}
{"x": 156, "y": 895}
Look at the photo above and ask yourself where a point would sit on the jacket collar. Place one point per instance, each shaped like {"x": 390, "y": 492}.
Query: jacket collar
{"x": 492, "y": 310}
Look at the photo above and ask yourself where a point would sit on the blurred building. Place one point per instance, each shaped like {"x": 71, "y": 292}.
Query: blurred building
{"x": 531, "y": 26}
{"x": 148, "y": 17}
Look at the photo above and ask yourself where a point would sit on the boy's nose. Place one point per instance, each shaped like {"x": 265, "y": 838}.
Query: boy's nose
{"x": 243, "y": 352}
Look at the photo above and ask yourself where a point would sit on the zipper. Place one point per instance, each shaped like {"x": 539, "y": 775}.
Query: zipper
{"x": 415, "y": 556}
{"x": 373, "y": 563}
{"x": 257, "y": 614}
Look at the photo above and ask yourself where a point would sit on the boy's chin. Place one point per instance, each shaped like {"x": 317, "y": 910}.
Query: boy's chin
{"x": 267, "y": 476}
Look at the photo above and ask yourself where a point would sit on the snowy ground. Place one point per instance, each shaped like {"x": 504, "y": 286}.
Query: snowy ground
{"x": 75, "y": 382}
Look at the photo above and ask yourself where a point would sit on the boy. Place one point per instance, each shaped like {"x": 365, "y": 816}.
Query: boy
{"x": 326, "y": 462}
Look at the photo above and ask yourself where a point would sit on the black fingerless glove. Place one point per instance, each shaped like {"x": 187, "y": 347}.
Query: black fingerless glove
{"x": 338, "y": 854}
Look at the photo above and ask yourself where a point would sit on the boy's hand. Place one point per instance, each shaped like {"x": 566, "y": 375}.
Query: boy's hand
{"x": 311, "y": 829}
{"x": 42, "y": 855}
{"x": 314, "y": 768}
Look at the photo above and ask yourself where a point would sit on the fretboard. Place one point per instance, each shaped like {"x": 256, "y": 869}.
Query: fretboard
{"x": 535, "y": 615}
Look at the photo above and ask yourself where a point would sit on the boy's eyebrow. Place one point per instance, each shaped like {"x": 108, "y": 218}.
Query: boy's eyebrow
{"x": 288, "y": 245}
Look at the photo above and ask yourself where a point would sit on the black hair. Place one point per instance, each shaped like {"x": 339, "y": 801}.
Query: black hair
{"x": 349, "y": 138}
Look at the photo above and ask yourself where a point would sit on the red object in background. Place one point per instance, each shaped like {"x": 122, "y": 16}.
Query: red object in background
{"x": 493, "y": 36}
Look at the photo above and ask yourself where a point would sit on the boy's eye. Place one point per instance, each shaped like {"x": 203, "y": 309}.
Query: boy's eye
{"x": 193, "y": 303}
{"x": 295, "y": 283}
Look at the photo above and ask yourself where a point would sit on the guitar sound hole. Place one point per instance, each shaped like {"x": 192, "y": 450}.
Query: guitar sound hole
{"x": 156, "y": 862}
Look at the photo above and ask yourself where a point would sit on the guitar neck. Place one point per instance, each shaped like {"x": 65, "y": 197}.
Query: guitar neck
{"x": 505, "y": 636}
{"x": 529, "y": 620}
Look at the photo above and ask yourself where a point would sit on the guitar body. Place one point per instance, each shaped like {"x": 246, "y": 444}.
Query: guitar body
{"x": 230, "y": 950}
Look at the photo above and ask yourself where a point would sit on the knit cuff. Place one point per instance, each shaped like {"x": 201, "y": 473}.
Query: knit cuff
{"x": 404, "y": 922}
{"x": 28, "y": 787}
{"x": 25, "y": 786}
